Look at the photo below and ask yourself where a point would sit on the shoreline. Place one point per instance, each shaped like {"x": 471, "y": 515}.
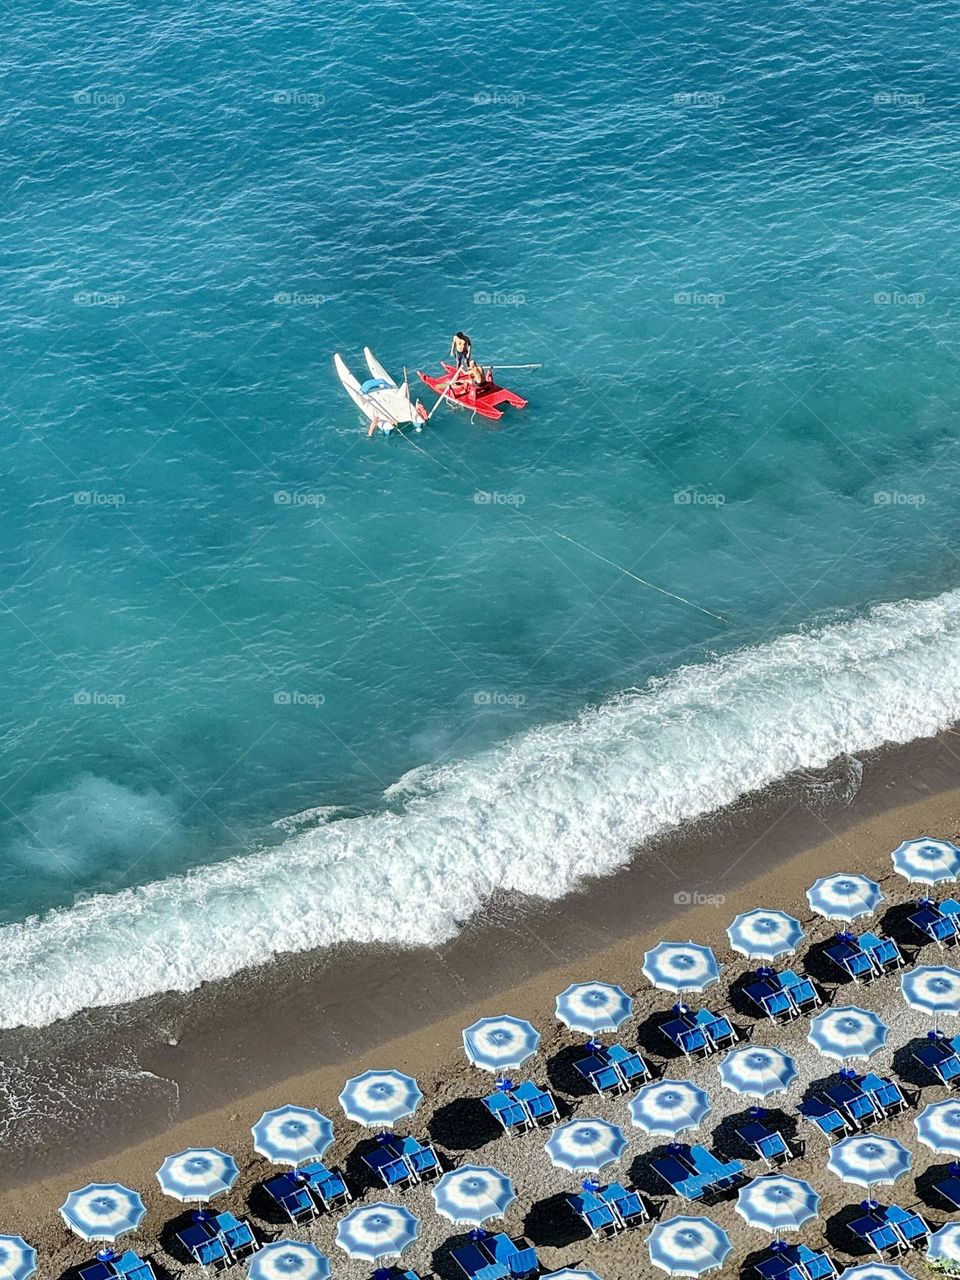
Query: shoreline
{"x": 294, "y": 1030}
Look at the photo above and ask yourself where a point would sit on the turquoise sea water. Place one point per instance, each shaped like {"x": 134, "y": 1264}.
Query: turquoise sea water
{"x": 727, "y": 233}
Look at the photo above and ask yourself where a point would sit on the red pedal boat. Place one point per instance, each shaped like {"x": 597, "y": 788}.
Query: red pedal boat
{"x": 483, "y": 400}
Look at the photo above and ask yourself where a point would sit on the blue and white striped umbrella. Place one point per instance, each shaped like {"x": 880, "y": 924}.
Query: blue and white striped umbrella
{"x": 199, "y": 1173}
{"x": 570, "y": 1273}
{"x": 497, "y": 1044}
{"x": 875, "y": 1271}
{"x": 375, "y": 1231}
{"x": 380, "y": 1097}
{"x": 18, "y": 1260}
{"x": 847, "y": 1032}
{"x": 868, "y": 1160}
{"x": 592, "y": 1007}
{"x": 668, "y": 1107}
{"x": 777, "y": 1203}
{"x": 844, "y": 896}
{"x": 765, "y": 934}
{"x": 473, "y": 1193}
{"x": 927, "y": 861}
{"x": 681, "y": 966}
{"x": 288, "y": 1260}
{"x": 102, "y": 1211}
{"x": 688, "y": 1246}
{"x": 757, "y": 1071}
{"x": 938, "y": 1126}
{"x": 290, "y": 1135}
{"x": 585, "y": 1144}
{"x": 944, "y": 1245}
{"x": 932, "y": 988}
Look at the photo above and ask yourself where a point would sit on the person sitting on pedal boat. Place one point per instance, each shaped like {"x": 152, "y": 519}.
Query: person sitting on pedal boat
{"x": 461, "y": 348}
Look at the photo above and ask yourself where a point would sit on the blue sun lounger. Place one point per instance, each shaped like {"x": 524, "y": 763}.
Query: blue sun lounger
{"x": 130, "y": 1266}
{"x": 420, "y": 1156}
{"x": 328, "y": 1185}
{"x": 539, "y": 1103}
{"x": 941, "y": 1059}
{"x": 848, "y": 1097}
{"x": 887, "y": 1094}
{"x": 719, "y": 1030}
{"x": 236, "y": 1234}
{"x": 770, "y": 998}
{"x": 681, "y": 1180}
{"x": 203, "y": 1246}
{"x": 687, "y": 1036}
{"x": 717, "y": 1175}
{"x": 949, "y": 1189}
{"x": 909, "y": 1225}
{"x": 599, "y": 1217}
{"x": 826, "y": 1118}
{"x": 292, "y": 1196}
{"x": 929, "y": 921}
{"x": 630, "y": 1065}
{"x": 390, "y": 1167}
{"x": 850, "y": 958}
{"x": 884, "y": 952}
{"x": 601, "y": 1074}
{"x": 519, "y": 1259}
{"x": 801, "y": 991}
{"x": 769, "y": 1145}
{"x": 796, "y": 1262}
{"x": 629, "y": 1206}
{"x": 878, "y": 1234}
{"x": 512, "y": 1115}
{"x": 476, "y": 1265}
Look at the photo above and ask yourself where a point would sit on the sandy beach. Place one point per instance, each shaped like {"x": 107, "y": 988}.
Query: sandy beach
{"x": 294, "y": 1032}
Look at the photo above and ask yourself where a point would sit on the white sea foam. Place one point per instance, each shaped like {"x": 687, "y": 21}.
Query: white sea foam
{"x": 532, "y": 815}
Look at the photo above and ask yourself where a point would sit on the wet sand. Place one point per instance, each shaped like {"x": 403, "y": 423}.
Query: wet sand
{"x": 199, "y": 1069}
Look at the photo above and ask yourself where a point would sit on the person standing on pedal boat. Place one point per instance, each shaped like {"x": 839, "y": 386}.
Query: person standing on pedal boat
{"x": 461, "y": 349}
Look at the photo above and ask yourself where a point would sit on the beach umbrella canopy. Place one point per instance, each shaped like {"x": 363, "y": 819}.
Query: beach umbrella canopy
{"x": 681, "y": 966}
{"x": 668, "y": 1107}
{"x": 496, "y": 1044}
{"x": 932, "y": 988}
{"x": 875, "y": 1271}
{"x": 764, "y": 934}
{"x": 377, "y": 1231}
{"x": 290, "y": 1135}
{"x": 199, "y": 1173}
{"x": 847, "y": 1032}
{"x": 289, "y": 1260}
{"x": 938, "y": 1126}
{"x": 592, "y": 1007}
{"x": 102, "y": 1211}
{"x": 688, "y": 1246}
{"x": 944, "y": 1245}
{"x": 570, "y": 1273}
{"x": 473, "y": 1193}
{"x": 757, "y": 1071}
{"x": 868, "y": 1160}
{"x": 777, "y": 1203}
{"x": 585, "y": 1144}
{"x": 927, "y": 861}
{"x": 380, "y": 1097}
{"x": 844, "y": 896}
{"x": 18, "y": 1260}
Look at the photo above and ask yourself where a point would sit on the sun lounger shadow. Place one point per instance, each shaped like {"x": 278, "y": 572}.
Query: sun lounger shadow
{"x": 824, "y": 971}
{"x": 929, "y": 1180}
{"x": 908, "y": 1068}
{"x": 728, "y": 1142}
{"x": 552, "y": 1222}
{"x": 463, "y": 1125}
{"x": 895, "y": 924}
{"x": 563, "y": 1075}
{"x": 650, "y": 1039}
{"x": 740, "y": 1002}
{"x": 170, "y": 1241}
{"x": 643, "y": 1177}
{"x": 837, "y": 1233}
{"x": 443, "y": 1264}
{"x": 262, "y": 1206}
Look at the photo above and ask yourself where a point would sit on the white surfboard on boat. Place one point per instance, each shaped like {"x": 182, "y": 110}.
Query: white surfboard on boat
{"x": 379, "y": 397}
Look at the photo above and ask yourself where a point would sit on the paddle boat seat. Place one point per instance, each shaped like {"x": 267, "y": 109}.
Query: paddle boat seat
{"x": 512, "y": 1115}
{"x": 236, "y": 1234}
{"x": 601, "y": 1074}
{"x": 909, "y": 1224}
{"x": 830, "y": 1122}
{"x": 292, "y": 1196}
{"x": 539, "y": 1103}
{"x": 629, "y": 1206}
{"x": 476, "y": 1265}
{"x": 878, "y": 1234}
{"x": 328, "y": 1185}
{"x": 934, "y": 926}
{"x": 519, "y": 1259}
{"x": 718, "y": 1029}
{"x": 852, "y": 961}
{"x": 630, "y": 1065}
{"x": 600, "y": 1218}
{"x": 203, "y": 1246}
{"x": 769, "y": 1145}
{"x": 884, "y": 952}
{"x": 940, "y": 1058}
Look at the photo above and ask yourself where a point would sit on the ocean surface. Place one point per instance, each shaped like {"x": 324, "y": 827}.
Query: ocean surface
{"x": 269, "y": 684}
